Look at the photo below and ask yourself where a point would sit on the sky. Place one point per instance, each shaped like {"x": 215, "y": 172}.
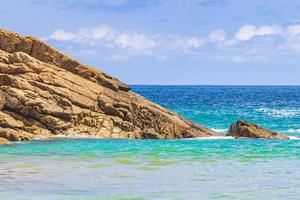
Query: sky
{"x": 170, "y": 42}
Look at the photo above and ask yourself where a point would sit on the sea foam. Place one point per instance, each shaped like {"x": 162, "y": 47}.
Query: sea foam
{"x": 278, "y": 112}
{"x": 294, "y": 138}
{"x": 214, "y": 138}
{"x": 219, "y": 130}
{"x": 294, "y": 130}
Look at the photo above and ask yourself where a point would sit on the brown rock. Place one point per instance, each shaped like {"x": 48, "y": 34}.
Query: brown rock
{"x": 48, "y": 93}
{"x": 3, "y": 141}
{"x": 246, "y": 129}
{"x": 12, "y": 42}
{"x": 2, "y": 100}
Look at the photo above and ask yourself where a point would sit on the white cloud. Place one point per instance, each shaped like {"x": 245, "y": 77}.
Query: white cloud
{"x": 217, "y": 36}
{"x": 134, "y": 41}
{"x": 123, "y": 44}
{"x": 268, "y": 30}
{"x": 293, "y": 30}
{"x": 242, "y": 59}
{"x": 238, "y": 59}
{"x": 61, "y": 35}
{"x": 185, "y": 43}
{"x": 84, "y": 34}
{"x": 96, "y": 33}
{"x": 291, "y": 39}
{"x": 247, "y": 32}
{"x": 107, "y": 36}
{"x": 292, "y": 42}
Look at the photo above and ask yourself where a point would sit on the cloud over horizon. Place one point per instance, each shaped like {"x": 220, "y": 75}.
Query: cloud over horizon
{"x": 134, "y": 43}
{"x": 129, "y": 43}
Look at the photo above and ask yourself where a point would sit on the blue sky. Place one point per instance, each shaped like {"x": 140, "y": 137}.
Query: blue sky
{"x": 170, "y": 41}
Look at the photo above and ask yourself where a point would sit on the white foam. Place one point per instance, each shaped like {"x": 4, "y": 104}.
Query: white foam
{"x": 294, "y": 130}
{"x": 215, "y": 138}
{"x": 41, "y": 138}
{"x": 278, "y": 112}
{"x": 220, "y": 130}
{"x": 76, "y": 136}
{"x": 293, "y": 138}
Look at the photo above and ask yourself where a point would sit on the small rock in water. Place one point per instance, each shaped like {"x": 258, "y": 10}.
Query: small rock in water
{"x": 249, "y": 130}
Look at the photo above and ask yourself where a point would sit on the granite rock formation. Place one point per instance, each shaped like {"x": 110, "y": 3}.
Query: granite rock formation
{"x": 249, "y": 130}
{"x": 44, "y": 93}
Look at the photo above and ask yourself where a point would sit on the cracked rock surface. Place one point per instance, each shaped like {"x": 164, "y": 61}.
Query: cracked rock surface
{"x": 44, "y": 93}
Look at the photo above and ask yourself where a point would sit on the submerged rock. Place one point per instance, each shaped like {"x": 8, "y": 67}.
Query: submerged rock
{"x": 49, "y": 93}
{"x": 247, "y": 129}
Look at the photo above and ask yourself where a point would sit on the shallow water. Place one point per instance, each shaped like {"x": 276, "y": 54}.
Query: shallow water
{"x": 147, "y": 169}
{"x": 214, "y": 168}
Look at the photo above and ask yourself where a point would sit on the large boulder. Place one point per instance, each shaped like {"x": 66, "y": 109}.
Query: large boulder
{"x": 249, "y": 130}
{"x": 49, "y": 93}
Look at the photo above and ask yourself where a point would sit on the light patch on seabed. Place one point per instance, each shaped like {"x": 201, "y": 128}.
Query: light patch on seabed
{"x": 98, "y": 166}
{"x": 160, "y": 162}
{"x": 124, "y": 161}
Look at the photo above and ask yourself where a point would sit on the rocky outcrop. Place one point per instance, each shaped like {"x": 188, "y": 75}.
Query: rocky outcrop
{"x": 12, "y": 42}
{"x": 246, "y": 129}
{"x": 45, "y": 93}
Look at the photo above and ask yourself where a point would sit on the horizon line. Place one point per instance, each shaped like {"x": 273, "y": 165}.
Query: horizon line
{"x": 213, "y": 85}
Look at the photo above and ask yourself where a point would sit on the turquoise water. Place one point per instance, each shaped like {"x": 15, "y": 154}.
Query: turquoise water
{"x": 173, "y": 169}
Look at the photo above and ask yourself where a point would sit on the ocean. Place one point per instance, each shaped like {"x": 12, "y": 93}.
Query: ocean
{"x": 201, "y": 168}
{"x": 273, "y": 107}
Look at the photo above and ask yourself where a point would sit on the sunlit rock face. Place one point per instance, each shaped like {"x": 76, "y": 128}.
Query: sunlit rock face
{"x": 44, "y": 93}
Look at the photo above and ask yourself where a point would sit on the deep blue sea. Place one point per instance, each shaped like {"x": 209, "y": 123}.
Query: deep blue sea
{"x": 273, "y": 107}
{"x": 188, "y": 169}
